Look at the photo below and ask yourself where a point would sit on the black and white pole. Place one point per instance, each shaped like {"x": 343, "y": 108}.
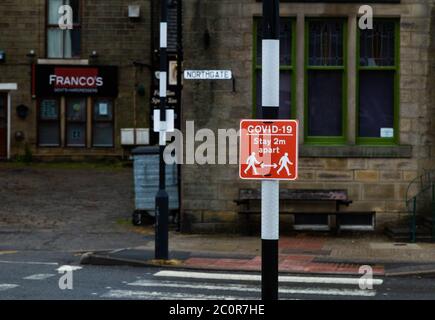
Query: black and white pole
{"x": 162, "y": 199}
{"x": 270, "y": 189}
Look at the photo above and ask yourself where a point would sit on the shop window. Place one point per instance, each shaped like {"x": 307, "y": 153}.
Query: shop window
{"x": 102, "y": 125}
{"x": 49, "y": 123}
{"x": 377, "y": 83}
{"x": 287, "y": 37}
{"x": 76, "y": 122}
{"x": 63, "y": 44}
{"x": 325, "y": 81}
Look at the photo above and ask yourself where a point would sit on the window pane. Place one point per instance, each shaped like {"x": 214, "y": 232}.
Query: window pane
{"x": 377, "y": 44}
{"x": 325, "y": 103}
{"x": 49, "y": 134}
{"x": 103, "y": 110}
{"x": 76, "y": 135}
{"x": 76, "y": 109}
{"x": 325, "y": 43}
{"x": 72, "y": 43}
{"x": 103, "y": 134}
{"x": 53, "y": 11}
{"x": 49, "y": 109}
{"x": 54, "y": 43}
{"x": 3, "y": 114}
{"x": 376, "y": 102}
{"x": 76, "y": 10}
{"x": 284, "y": 95}
{"x": 285, "y": 44}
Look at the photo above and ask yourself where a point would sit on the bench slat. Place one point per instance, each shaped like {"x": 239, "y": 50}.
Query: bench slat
{"x": 298, "y": 194}
{"x": 338, "y": 213}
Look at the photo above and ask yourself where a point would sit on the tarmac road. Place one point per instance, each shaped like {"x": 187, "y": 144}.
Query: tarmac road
{"x": 35, "y": 275}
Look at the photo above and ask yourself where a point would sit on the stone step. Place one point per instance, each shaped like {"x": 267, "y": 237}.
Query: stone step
{"x": 403, "y": 233}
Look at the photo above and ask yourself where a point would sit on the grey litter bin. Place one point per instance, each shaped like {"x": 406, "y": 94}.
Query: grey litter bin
{"x": 146, "y": 182}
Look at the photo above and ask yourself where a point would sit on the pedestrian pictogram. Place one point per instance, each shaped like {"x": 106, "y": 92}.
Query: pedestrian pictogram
{"x": 269, "y": 149}
{"x": 252, "y": 162}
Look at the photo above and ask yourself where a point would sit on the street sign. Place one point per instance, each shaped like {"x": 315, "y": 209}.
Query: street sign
{"x": 208, "y": 75}
{"x": 268, "y": 150}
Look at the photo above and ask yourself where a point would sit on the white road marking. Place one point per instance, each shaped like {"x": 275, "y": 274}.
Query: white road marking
{"x": 330, "y": 292}
{"x": 68, "y": 268}
{"x": 248, "y": 277}
{"x": 243, "y": 288}
{"x": 41, "y": 276}
{"x": 4, "y": 287}
{"x": 204, "y": 286}
{"x": 30, "y": 262}
{"x": 130, "y": 294}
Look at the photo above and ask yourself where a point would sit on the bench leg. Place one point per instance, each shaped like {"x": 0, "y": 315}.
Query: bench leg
{"x": 337, "y": 225}
{"x": 248, "y": 226}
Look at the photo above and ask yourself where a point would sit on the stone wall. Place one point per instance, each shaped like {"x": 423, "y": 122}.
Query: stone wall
{"x": 106, "y": 29}
{"x": 219, "y": 35}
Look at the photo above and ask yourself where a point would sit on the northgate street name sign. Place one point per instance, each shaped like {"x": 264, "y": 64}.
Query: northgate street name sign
{"x": 208, "y": 75}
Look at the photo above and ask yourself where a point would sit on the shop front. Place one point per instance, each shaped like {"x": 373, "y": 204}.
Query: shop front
{"x": 5, "y": 119}
{"x": 76, "y": 108}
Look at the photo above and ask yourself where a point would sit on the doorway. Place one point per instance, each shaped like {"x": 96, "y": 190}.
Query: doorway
{"x": 3, "y": 125}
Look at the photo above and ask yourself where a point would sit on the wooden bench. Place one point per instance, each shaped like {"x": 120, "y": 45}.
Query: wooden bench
{"x": 249, "y": 197}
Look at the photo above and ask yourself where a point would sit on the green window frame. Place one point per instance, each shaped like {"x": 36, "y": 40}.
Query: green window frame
{"x": 396, "y": 102}
{"x": 326, "y": 140}
{"x": 284, "y": 68}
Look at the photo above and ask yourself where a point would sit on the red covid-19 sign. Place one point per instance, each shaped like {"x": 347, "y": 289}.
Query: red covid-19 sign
{"x": 268, "y": 149}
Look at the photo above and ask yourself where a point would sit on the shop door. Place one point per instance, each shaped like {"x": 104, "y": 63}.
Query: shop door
{"x": 3, "y": 125}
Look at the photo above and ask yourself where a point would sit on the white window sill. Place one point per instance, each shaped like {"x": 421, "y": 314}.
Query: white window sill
{"x": 74, "y": 62}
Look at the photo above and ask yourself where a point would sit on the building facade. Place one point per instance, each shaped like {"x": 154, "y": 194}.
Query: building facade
{"x": 363, "y": 99}
{"x": 68, "y": 94}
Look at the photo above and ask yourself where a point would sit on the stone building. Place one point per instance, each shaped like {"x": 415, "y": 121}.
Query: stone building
{"x": 69, "y": 93}
{"x": 364, "y": 99}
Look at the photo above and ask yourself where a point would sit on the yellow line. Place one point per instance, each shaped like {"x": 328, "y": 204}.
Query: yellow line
{"x": 7, "y": 252}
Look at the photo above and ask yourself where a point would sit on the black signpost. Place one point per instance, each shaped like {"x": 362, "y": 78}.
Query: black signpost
{"x": 162, "y": 198}
{"x": 270, "y": 189}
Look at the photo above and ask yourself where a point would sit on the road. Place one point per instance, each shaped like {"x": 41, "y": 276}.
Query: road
{"x": 35, "y": 275}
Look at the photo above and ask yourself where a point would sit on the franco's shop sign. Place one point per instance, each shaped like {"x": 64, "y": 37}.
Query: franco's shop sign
{"x": 55, "y": 80}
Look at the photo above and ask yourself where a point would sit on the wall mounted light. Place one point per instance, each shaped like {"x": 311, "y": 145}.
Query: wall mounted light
{"x": 134, "y": 11}
{"x": 19, "y": 136}
{"x": 93, "y": 55}
{"x": 22, "y": 111}
{"x": 2, "y": 56}
{"x": 31, "y": 54}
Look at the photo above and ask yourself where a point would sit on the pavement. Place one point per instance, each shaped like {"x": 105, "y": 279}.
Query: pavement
{"x": 40, "y": 275}
{"x": 299, "y": 253}
{"x": 87, "y": 211}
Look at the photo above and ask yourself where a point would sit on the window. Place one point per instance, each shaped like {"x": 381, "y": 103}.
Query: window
{"x": 286, "y": 102}
{"x": 325, "y": 81}
{"x": 377, "y": 83}
{"x": 76, "y": 122}
{"x": 102, "y": 126}
{"x": 62, "y": 44}
{"x": 49, "y": 124}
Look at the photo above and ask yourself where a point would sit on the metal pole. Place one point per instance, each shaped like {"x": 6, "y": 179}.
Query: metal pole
{"x": 180, "y": 59}
{"x": 162, "y": 199}
{"x": 270, "y": 189}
